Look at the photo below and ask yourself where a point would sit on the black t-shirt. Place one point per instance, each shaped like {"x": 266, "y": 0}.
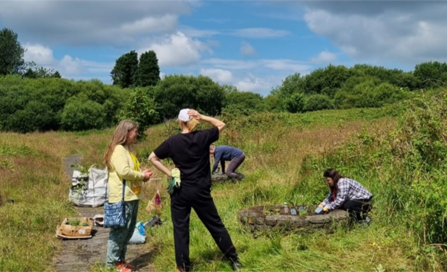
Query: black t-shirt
{"x": 191, "y": 154}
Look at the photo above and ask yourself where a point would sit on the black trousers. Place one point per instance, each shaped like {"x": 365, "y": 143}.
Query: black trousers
{"x": 234, "y": 164}
{"x": 182, "y": 200}
{"x": 358, "y": 208}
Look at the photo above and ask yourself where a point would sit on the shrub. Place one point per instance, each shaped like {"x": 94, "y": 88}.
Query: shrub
{"x": 82, "y": 114}
{"x": 318, "y": 102}
{"x": 35, "y": 116}
{"x": 140, "y": 108}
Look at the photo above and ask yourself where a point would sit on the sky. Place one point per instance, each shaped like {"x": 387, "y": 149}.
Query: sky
{"x": 252, "y": 45}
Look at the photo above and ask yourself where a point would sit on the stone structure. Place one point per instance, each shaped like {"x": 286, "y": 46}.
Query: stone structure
{"x": 262, "y": 218}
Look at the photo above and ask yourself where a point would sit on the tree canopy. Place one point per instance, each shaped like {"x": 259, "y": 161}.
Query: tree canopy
{"x": 129, "y": 72}
{"x": 148, "y": 72}
{"x": 11, "y": 53}
{"x": 124, "y": 70}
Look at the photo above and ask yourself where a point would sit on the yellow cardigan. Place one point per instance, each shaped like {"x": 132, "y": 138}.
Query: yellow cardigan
{"x": 123, "y": 168}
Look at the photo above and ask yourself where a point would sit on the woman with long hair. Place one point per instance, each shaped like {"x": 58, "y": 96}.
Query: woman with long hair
{"x": 124, "y": 170}
{"x": 346, "y": 194}
{"x": 189, "y": 150}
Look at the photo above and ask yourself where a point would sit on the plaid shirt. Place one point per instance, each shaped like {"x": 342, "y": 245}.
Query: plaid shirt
{"x": 348, "y": 189}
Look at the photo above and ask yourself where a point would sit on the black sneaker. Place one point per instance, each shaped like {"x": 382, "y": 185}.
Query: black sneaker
{"x": 240, "y": 176}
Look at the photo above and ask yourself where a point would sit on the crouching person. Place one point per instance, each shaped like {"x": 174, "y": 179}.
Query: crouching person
{"x": 224, "y": 153}
{"x": 346, "y": 194}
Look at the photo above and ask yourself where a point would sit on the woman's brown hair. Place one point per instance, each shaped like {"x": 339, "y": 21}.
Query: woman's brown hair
{"x": 119, "y": 137}
{"x": 335, "y": 176}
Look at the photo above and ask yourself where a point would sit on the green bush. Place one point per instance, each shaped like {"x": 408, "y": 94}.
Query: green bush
{"x": 35, "y": 116}
{"x": 242, "y": 103}
{"x": 175, "y": 92}
{"x": 36, "y": 104}
{"x": 318, "y": 102}
{"x": 141, "y": 108}
{"x": 82, "y": 114}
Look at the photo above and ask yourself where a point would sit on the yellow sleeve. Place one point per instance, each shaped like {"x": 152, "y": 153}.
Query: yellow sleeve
{"x": 123, "y": 165}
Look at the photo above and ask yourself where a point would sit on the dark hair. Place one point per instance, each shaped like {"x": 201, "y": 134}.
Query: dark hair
{"x": 333, "y": 174}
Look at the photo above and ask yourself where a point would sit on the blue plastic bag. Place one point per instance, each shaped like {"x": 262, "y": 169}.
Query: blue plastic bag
{"x": 139, "y": 234}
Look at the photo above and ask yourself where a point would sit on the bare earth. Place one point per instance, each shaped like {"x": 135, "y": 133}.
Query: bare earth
{"x": 82, "y": 254}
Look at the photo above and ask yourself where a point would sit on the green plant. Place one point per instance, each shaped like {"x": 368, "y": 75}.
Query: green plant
{"x": 82, "y": 114}
{"x": 73, "y": 222}
{"x": 140, "y": 108}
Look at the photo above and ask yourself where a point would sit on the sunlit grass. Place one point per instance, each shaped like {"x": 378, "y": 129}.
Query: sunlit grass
{"x": 32, "y": 173}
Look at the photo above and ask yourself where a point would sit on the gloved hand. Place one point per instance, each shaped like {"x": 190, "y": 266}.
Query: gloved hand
{"x": 175, "y": 174}
{"x": 174, "y": 181}
{"x": 171, "y": 185}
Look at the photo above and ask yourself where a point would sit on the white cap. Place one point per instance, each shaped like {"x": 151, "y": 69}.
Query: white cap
{"x": 183, "y": 115}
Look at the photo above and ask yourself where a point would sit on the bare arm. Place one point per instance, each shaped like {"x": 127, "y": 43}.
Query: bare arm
{"x": 213, "y": 121}
{"x": 158, "y": 164}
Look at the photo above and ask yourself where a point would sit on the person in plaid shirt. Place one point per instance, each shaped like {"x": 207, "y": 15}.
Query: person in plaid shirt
{"x": 346, "y": 194}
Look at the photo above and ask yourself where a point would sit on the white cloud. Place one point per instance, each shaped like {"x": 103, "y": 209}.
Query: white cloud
{"x": 68, "y": 66}
{"x": 247, "y": 49}
{"x": 285, "y": 64}
{"x": 324, "y": 57}
{"x": 197, "y": 33}
{"x": 230, "y": 64}
{"x": 40, "y": 54}
{"x": 382, "y": 31}
{"x": 161, "y": 24}
{"x": 260, "y": 33}
{"x": 219, "y": 75}
{"x": 91, "y": 22}
{"x": 252, "y": 83}
{"x": 177, "y": 50}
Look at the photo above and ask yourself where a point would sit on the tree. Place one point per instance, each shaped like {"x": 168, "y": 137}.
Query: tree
{"x": 11, "y": 53}
{"x": 430, "y": 74}
{"x": 124, "y": 70}
{"x": 34, "y": 71}
{"x": 316, "y": 102}
{"x": 295, "y": 103}
{"x": 175, "y": 92}
{"x": 290, "y": 85}
{"x": 148, "y": 72}
{"x": 140, "y": 108}
{"x": 241, "y": 103}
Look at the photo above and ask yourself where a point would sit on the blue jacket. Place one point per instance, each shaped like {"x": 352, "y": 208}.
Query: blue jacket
{"x": 224, "y": 153}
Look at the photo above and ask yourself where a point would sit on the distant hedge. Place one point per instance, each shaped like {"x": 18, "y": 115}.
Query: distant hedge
{"x": 44, "y": 104}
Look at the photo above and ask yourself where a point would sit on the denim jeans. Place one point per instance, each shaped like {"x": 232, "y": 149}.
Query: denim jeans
{"x": 118, "y": 237}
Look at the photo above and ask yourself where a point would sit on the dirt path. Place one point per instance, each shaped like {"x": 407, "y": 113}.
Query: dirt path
{"x": 82, "y": 254}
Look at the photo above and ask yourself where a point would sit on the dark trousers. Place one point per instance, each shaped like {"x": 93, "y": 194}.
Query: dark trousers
{"x": 234, "y": 164}
{"x": 182, "y": 200}
{"x": 358, "y": 208}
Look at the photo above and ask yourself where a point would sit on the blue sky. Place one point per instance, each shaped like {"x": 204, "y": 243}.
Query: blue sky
{"x": 253, "y": 45}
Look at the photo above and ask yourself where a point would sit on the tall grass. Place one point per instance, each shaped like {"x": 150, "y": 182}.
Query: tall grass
{"x": 286, "y": 154}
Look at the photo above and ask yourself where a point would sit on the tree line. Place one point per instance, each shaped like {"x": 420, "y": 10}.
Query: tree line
{"x": 38, "y": 99}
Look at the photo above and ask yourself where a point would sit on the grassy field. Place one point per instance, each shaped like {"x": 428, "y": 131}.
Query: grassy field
{"x": 286, "y": 154}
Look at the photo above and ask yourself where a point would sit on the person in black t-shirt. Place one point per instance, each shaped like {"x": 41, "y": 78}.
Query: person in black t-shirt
{"x": 189, "y": 151}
